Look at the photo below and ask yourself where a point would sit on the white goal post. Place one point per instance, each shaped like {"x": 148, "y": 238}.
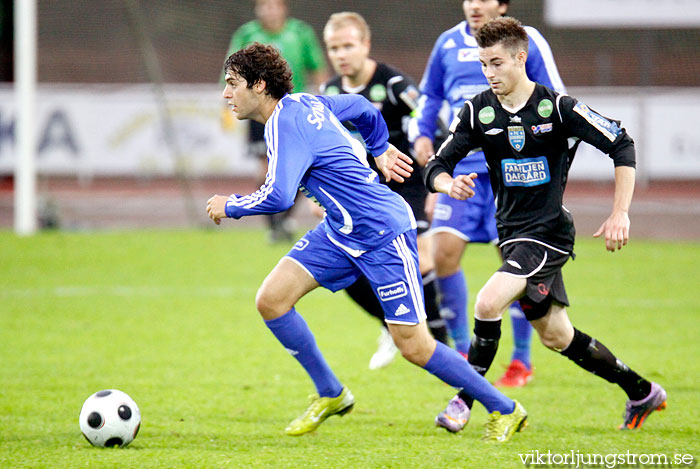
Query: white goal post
{"x": 25, "y": 51}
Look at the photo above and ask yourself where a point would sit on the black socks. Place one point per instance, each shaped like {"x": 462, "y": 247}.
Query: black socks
{"x": 595, "y": 357}
{"x": 483, "y": 350}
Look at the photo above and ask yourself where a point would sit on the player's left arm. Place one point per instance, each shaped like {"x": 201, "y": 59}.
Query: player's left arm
{"x": 394, "y": 164}
{"x": 616, "y": 229}
{"x": 609, "y": 137}
{"x": 364, "y": 116}
{"x": 369, "y": 122}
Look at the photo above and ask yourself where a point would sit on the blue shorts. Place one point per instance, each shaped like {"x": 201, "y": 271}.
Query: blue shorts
{"x": 392, "y": 271}
{"x": 473, "y": 220}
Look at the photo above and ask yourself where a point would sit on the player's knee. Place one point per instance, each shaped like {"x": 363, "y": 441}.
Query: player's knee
{"x": 553, "y": 340}
{"x": 417, "y": 347}
{"x": 486, "y": 307}
{"x": 446, "y": 263}
{"x": 415, "y": 352}
{"x": 267, "y": 304}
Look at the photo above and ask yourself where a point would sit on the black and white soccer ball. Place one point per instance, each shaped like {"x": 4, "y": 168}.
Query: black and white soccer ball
{"x": 110, "y": 418}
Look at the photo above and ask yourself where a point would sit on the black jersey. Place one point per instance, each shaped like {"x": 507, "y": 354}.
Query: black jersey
{"x": 389, "y": 90}
{"x": 528, "y": 158}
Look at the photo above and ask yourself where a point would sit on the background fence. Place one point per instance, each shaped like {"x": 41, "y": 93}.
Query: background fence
{"x": 99, "y": 112}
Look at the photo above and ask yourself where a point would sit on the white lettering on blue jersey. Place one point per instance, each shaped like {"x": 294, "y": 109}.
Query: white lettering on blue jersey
{"x": 304, "y": 152}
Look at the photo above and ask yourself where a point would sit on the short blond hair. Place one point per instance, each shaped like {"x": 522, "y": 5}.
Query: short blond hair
{"x": 348, "y": 18}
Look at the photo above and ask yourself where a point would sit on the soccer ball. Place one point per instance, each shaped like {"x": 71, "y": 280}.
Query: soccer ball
{"x": 110, "y": 418}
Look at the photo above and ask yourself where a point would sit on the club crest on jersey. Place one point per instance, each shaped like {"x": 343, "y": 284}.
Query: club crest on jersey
{"x": 516, "y": 137}
{"x": 393, "y": 291}
{"x": 525, "y": 172}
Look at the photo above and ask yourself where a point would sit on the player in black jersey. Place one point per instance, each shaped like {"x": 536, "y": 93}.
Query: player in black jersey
{"x": 523, "y": 129}
{"x": 347, "y": 38}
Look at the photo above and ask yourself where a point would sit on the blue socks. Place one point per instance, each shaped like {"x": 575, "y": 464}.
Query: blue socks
{"x": 522, "y": 334}
{"x": 453, "y": 308}
{"x": 294, "y": 334}
{"x": 453, "y": 369}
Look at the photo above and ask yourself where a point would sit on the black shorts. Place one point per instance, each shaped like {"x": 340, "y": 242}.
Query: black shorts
{"x": 256, "y": 140}
{"x": 414, "y": 193}
{"x": 541, "y": 265}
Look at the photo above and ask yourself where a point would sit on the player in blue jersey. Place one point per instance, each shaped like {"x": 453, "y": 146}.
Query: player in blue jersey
{"x": 368, "y": 229}
{"x": 453, "y": 74}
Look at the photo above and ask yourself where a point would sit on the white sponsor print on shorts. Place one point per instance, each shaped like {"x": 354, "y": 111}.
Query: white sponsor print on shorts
{"x": 393, "y": 291}
{"x": 442, "y": 212}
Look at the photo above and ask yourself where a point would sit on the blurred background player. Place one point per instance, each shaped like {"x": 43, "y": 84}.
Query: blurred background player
{"x": 297, "y": 42}
{"x": 348, "y": 41}
{"x": 453, "y": 74}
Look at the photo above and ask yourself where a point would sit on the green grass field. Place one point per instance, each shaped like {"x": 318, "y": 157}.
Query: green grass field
{"x": 169, "y": 318}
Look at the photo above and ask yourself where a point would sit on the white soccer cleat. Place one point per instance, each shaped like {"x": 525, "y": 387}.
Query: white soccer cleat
{"x": 386, "y": 351}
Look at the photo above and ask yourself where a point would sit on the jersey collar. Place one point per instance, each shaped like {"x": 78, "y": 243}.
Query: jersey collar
{"x": 466, "y": 34}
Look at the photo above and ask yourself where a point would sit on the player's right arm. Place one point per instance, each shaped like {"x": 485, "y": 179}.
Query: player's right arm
{"x": 438, "y": 172}
{"x": 288, "y": 157}
{"x": 616, "y": 228}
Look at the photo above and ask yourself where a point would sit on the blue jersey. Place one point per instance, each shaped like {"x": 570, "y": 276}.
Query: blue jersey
{"x": 309, "y": 149}
{"x": 453, "y": 74}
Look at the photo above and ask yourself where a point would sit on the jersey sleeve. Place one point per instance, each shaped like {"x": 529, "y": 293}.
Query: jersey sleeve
{"x": 432, "y": 90}
{"x": 288, "y": 158}
{"x": 364, "y": 116}
{"x": 403, "y": 93}
{"x": 605, "y": 134}
{"x": 461, "y": 141}
{"x": 540, "y": 65}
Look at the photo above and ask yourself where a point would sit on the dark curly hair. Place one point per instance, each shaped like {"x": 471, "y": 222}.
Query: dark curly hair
{"x": 505, "y": 30}
{"x": 259, "y": 62}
